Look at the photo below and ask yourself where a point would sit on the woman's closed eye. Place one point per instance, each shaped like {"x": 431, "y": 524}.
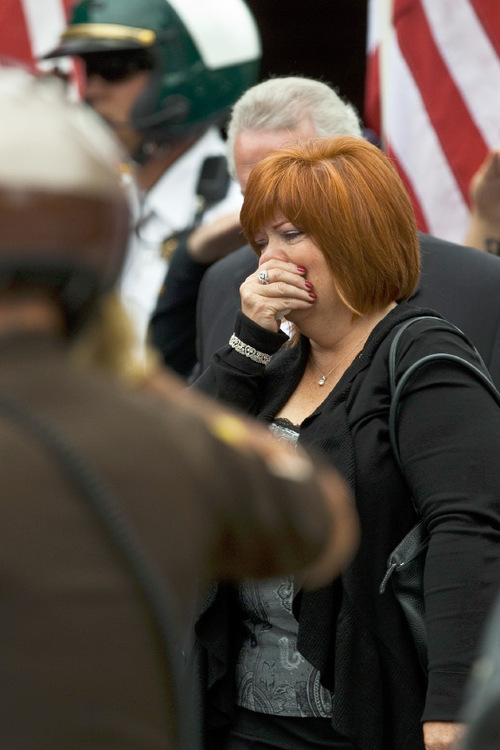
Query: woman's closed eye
{"x": 287, "y": 235}
{"x": 292, "y": 234}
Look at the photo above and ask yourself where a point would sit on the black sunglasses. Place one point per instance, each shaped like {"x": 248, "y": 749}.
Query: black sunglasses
{"x": 118, "y": 65}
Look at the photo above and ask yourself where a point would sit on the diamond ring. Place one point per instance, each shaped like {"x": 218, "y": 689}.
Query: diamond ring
{"x": 263, "y": 277}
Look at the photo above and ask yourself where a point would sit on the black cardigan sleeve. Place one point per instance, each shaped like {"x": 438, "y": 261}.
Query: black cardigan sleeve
{"x": 234, "y": 378}
{"x": 449, "y": 439}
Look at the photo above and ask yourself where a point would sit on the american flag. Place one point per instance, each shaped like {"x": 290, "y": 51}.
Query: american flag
{"x": 433, "y": 97}
{"x": 29, "y": 29}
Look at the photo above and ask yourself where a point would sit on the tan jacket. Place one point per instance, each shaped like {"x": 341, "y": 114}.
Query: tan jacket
{"x": 79, "y": 659}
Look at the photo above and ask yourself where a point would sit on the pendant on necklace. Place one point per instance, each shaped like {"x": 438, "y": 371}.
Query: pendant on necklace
{"x": 322, "y": 381}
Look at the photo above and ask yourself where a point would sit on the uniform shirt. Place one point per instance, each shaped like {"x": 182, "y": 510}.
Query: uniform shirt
{"x": 169, "y": 207}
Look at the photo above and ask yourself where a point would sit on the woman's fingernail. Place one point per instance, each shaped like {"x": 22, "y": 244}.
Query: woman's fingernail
{"x": 301, "y": 269}
{"x": 308, "y": 284}
{"x": 312, "y": 295}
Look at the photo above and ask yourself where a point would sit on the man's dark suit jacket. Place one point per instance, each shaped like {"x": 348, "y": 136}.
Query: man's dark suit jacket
{"x": 460, "y": 283}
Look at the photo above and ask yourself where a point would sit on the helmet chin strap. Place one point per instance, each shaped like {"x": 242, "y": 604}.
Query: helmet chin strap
{"x": 175, "y": 109}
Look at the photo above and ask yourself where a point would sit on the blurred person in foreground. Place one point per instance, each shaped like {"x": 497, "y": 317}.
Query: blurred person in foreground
{"x": 459, "y": 283}
{"x": 338, "y": 256}
{"x": 117, "y": 504}
{"x": 162, "y": 74}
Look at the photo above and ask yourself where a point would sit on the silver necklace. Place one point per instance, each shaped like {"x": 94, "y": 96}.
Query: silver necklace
{"x": 323, "y": 378}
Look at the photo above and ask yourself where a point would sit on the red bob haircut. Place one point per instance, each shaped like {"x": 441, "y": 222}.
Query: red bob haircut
{"x": 347, "y": 196}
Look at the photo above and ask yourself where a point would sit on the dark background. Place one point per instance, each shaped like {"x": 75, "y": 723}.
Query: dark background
{"x": 324, "y": 39}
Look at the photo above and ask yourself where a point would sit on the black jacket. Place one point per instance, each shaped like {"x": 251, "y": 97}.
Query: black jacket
{"x": 449, "y": 437}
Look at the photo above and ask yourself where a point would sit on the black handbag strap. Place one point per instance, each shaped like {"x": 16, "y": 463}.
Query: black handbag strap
{"x": 397, "y": 388}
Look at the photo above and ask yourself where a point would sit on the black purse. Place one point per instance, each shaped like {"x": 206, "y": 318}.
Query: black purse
{"x": 405, "y": 565}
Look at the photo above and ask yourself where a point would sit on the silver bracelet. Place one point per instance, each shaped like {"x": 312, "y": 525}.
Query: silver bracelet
{"x": 249, "y": 351}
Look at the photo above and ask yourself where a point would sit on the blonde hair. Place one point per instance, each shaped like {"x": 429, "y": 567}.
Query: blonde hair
{"x": 107, "y": 343}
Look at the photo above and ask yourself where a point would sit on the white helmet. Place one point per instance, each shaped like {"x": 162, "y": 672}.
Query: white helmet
{"x": 63, "y": 212}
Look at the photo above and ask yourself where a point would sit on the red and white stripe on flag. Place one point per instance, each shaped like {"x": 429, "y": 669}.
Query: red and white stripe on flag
{"x": 30, "y": 28}
{"x": 433, "y": 96}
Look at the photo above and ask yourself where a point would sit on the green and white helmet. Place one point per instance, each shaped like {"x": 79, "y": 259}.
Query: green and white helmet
{"x": 203, "y": 55}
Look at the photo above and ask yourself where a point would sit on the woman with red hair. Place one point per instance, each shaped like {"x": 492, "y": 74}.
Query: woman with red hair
{"x": 337, "y": 668}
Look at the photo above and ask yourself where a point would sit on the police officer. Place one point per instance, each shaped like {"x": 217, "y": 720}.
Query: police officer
{"x": 163, "y": 74}
{"x": 115, "y": 503}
